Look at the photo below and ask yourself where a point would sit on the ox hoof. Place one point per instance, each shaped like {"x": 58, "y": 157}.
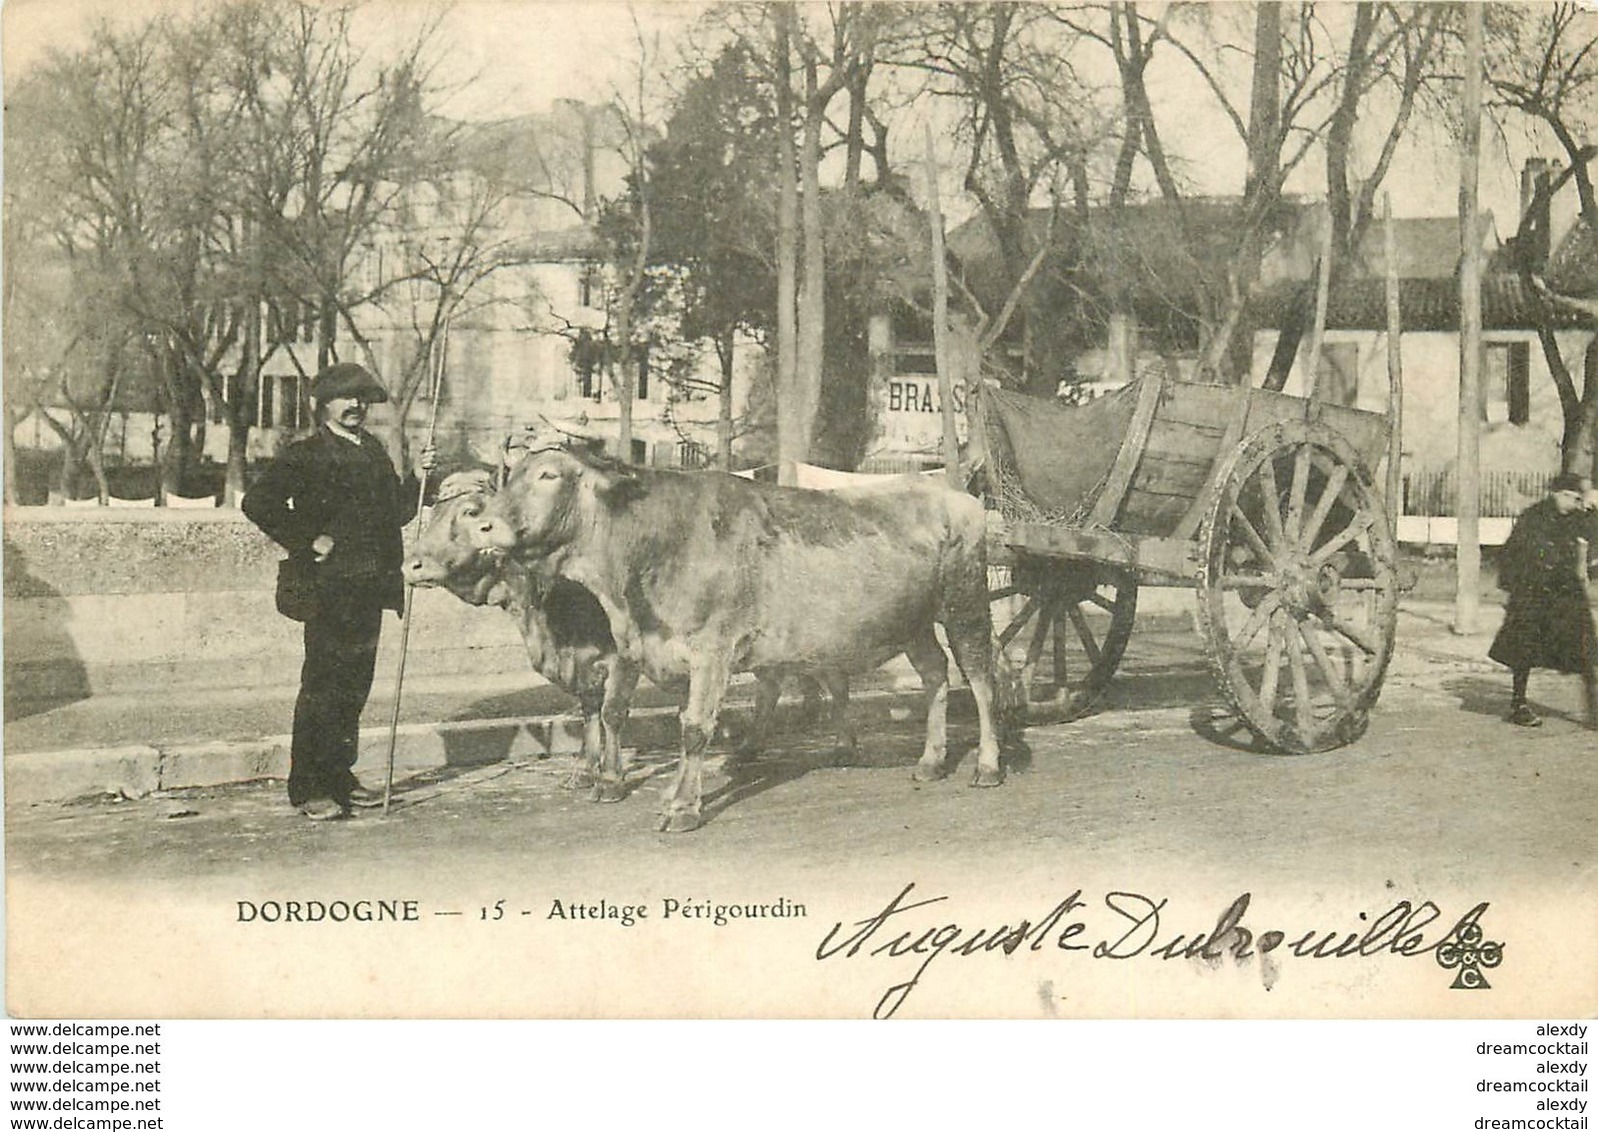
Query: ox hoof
{"x": 986, "y": 777}
{"x": 577, "y": 780}
{"x": 607, "y": 792}
{"x": 679, "y": 823}
{"x": 934, "y": 773}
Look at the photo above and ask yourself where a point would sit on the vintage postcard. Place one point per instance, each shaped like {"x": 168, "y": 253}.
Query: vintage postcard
{"x": 553, "y": 510}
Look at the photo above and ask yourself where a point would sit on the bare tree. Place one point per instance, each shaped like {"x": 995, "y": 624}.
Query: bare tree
{"x": 1028, "y": 126}
{"x": 1543, "y": 70}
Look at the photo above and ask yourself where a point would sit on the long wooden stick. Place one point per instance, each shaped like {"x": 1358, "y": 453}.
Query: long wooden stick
{"x": 940, "y": 325}
{"x": 439, "y": 360}
{"x": 1395, "y": 373}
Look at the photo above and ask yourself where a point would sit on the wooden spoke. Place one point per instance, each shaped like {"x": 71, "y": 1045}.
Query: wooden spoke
{"x": 1334, "y": 680}
{"x": 1256, "y": 621}
{"x": 1273, "y": 665}
{"x": 1034, "y": 650}
{"x": 1343, "y": 537}
{"x": 1062, "y": 655}
{"x": 1303, "y": 706}
{"x": 1247, "y": 581}
{"x": 1295, "y": 495}
{"x": 1323, "y": 507}
{"x": 1352, "y": 632}
{"x": 1273, "y": 500}
{"x": 1084, "y": 633}
{"x": 1362, "y": 584}
{"x": 1021, "y": 619}
{"x": 1003, "y": 592}
{"x": 1252, "y": 536}
{"x": 1101, "y": 601}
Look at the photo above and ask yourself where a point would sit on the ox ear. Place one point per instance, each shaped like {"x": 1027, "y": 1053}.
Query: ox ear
{"x": 616, "y": 484}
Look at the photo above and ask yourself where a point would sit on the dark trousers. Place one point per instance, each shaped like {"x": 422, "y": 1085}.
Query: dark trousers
{"x": 340, "y": 657}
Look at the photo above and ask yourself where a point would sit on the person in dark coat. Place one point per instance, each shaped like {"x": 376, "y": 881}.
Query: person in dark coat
{"x": 1547, "y": 622}
{"x": 334, "y": 502}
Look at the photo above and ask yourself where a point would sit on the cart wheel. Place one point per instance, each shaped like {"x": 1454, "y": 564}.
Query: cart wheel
{"x": 1083, "y": 610}
{"x": 1299, "y": 597}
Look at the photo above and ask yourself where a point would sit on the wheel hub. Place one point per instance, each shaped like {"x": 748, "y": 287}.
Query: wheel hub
{"x": 1305, "y": 588}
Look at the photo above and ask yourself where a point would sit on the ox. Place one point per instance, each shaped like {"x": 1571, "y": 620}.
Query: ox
{"x": 566, "y": 632}
{"x": 704, "y": 574}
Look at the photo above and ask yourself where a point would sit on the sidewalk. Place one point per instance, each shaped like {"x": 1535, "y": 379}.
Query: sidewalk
{"x": 138, "y": 745}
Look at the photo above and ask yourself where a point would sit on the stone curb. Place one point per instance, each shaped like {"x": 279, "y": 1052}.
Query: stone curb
{"x": 137, "y": 770}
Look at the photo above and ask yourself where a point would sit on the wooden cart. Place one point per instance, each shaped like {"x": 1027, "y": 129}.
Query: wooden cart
{"x": 1262, "y": 503}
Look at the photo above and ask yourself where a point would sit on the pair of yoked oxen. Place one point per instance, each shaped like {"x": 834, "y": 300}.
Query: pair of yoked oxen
{"x": 689, "y": 577}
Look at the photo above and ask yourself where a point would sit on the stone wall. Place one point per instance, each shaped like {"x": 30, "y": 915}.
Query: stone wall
{"x": 108, "y": 601}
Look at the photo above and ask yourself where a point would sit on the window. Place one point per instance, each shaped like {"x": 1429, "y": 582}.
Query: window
{"x": 640, "y": 452}
{"x": 282, "y": 401}
{"x": 1506, "y": 382}
{"x": 588, "y": 285}
{"x": 642, "y": 390}
{"x": 1337, "y": 377}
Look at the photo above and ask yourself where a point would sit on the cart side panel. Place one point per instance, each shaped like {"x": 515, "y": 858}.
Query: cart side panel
{"x": 1178, "y": 457}
{"x": 1197, "y": 426}
{"x": 1365, "y": 431}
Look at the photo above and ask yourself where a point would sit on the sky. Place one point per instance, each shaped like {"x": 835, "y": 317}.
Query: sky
{"x": 520, "y": 55}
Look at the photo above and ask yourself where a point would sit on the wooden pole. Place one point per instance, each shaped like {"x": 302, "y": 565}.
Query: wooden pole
{"x": 940, "y": 323}
{"x": 1317, "y": 330}
{"x": 1467, "y": 591}
{"x": 439, "y": 361}
{"x": 1395, "y": 371}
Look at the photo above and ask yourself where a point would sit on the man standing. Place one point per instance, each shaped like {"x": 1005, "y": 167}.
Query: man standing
{"x": 334, "y": 502}
{"x": 1547, "y": 622}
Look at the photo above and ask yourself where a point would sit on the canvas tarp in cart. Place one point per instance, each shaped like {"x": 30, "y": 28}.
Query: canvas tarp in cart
{"x": 1260, "y": 502}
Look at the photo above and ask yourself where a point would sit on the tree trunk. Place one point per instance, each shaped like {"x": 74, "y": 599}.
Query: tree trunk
{"x": 94, "y": 457}
{"x": 1582, "y": 456}
{"x": 326, "y": 332}
{"x": 8, "y": 452}
{"x": 813, "y": 281}
{"x": 67, "y": 476}
{"x": 178, "y": 448}
{"x": 1467, "y": 591}
{"x": 725, "y": 344}
{"x": 790, "y": 446}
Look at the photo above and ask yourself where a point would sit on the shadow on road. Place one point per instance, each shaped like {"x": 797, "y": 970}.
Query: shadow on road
{"x": 1489, "y": 696}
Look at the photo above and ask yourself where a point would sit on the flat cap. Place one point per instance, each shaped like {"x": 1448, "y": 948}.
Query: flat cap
{"x": 1567, "y": 481}
{"x": 347, "y": 379}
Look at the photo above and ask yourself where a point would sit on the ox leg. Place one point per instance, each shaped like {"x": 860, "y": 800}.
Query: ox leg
{"x": 591, "y": 700}
{"x": 768, "y": 689}
{"x": 973, "y": 652}
{"x": 610, "y": 778}
{"x": 930, "y": 663}
{"x": 811, "y": 711}
{"x": 843, "y": 748}
{"x": 707, "y": 684}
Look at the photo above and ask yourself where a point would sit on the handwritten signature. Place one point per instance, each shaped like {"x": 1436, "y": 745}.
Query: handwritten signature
{"x": 1136, "y": 931}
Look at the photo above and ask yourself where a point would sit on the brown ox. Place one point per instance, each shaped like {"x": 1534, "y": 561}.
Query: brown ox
{"x": 704, "y": 574}
{"x": 566, "y": 632}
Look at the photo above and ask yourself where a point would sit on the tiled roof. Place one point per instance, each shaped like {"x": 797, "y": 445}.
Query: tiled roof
{"x": 1424, "y": 304}
{"x": 1573, "y": 268}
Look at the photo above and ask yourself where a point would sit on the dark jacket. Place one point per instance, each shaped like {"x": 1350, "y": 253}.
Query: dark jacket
{"x": 324, "y": 484}
{"x": 1547, "y": 623}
